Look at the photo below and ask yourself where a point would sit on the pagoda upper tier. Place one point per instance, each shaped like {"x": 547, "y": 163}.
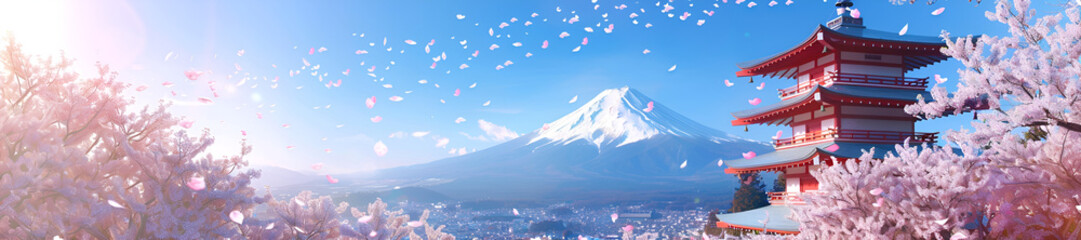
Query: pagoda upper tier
{"x": 847, "y": 35}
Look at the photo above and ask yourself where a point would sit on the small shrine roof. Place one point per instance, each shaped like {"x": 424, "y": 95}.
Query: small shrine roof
{"x": 778, "y": 219}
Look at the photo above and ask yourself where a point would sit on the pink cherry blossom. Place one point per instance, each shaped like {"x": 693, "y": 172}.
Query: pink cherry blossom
{"x": 749, "y": 155}
{"x": 380, "y": 149}
{"x": 186, "y": 124}
{"x": 377, "y": 119}
{"x": 332, "y": 180}
{"x": 755, "y": 101}
{"x": 370, "y": 102}
{"x": 236, "y": 216}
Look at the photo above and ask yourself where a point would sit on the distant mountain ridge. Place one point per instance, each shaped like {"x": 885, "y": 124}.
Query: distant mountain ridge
{"x": 616, "y": 144}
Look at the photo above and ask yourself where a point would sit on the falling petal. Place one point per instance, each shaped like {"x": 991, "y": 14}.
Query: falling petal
{"x": 574, "y": 99}
{"x": 628, "y": 228}
{"x": 115, "y": 204}
{"x": 615, "y": 216}
{"x": 673, "y": 68}
{"x": 749, "y": 155}
{"x": 237, "y": 217}
{"x": 515, "y": 210}
{"x": 576, "y": 49}
{"x": 942, "y": 221}
{"x": 380, "y": 149}
{"x": 701, "y": 21}
{"x": 377, "y": 119}
{"x": 878, "y": 203}
{"x": 395, "y": 99}
{"x": 415, "y": 224}
{"x": 564, "y": 34}
{"x": 754, "y": 101}
{"x": 751, "y": 4}
{"x": 940, "y": 79}
{"x": 683, "y": 165}
{"x": 544, "y": 45}
{"x": 370, "y": 102}
{"x": 196, "y": 183}
{"x": 728, "y": 83}
{"x": 269, "y": 226}
{"x": 192, "y": 74}
{"x": 459, "y": 120}
{"x": 317, "y": 166}
{"x": 332, "y": 180}
{"x": 205, "y": 100}
{"x": 720, "y": 162}
{"x": 938, "y": 11}
{"x": 832, "y": 148}
{"x": 489, "y": 102}
{"x": 186, "y": 124}
{"x": 410, "y": 42}
{"x": 457, "y": 92}
{"x": 903, "y": 30}
{"x": 855, "y": 13}
{"x": 585, "y": 40}
{"x": 761, "y": 86}
{"x": 875, "y": 191}
{"x": 493, "y": 47}
{"x": 645, "y": 51}
{"x": 789, "y": 2}
{"x": 460, "y": 17}
{"x": 649, "y": 107}
{"x": 473, "y": 85}
{"x": 779, "y": 133}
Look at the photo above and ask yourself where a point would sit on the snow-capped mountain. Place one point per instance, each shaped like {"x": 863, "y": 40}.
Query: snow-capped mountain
{"x": 622, "y": 116}
{"x": 620, "y": 141}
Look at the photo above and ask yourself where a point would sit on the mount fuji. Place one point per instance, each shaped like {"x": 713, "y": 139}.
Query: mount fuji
{"x": 619, "y": 143}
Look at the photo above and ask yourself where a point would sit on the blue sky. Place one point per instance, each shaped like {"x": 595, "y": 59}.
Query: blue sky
{"x": 135, "y": 37}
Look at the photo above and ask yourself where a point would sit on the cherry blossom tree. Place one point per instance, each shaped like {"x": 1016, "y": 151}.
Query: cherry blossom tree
{"x": 1019, "y": 171}
{"x": 77, "y": 163}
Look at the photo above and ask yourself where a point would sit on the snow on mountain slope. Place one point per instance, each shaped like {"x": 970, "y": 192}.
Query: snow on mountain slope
{"x": 623, "y": 116}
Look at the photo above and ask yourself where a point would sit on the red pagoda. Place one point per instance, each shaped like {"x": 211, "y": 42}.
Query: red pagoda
{"x": 849, "y": 96}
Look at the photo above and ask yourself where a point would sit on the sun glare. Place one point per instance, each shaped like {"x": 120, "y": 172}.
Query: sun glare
{"x": 39, "y": 25}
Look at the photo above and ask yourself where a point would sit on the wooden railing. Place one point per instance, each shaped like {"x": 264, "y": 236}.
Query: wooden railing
{"x": 785, "y": 198}
{"x": 875, "y": 136}
{"x": 856, "y": 79}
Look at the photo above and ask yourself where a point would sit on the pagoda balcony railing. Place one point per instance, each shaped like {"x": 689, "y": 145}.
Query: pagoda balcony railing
{"x": 786, "y": 198}
{"x": 854, "y": 79}
{"x": 858, "y": 135}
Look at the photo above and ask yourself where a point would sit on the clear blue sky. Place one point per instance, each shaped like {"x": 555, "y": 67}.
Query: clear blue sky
{"x": 136, "y": 36}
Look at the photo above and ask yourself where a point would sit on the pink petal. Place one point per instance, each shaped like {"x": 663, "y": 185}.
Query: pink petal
{"x": 628, "y": 228}
{"x": 196, "y": 183}
{"x": 515, "y": 210}
{"x": 192, "y": 74}
{"x": 311, "y": 51}
{"x": 903, "y": 30}
{"x": 415, "y": 224}
{"x": 876, "y": 191}
{"x": 761, "y": 86}
{"x": 878, "y": 203}
{"x": 377, "y": 119}
{"x": 728, "y": 83}
{"x": 380, "y": 149}
{"x": 855, "y": 13}
{"x": 285, "y": 125}
{"x": 615, "y": 216}
{"x": 475, "y": 53}
{"x": 938, "y": 11}
{"x": 720, "y": 162}
{"x": 544, "y": 45}
{"x": 364, "y": 219}
{"x": 410, "y": 42}
{"x": 649, "y": 107}
{"x": 395, "y": 99}
{"x": 779, "y": 133}
{"x": 141, "y": 88}
{"x": 317, "y": 166}
{"x": 186, "y": 124}
{"x": 564, "y": 34}
{"x": 433, "y": 65}
{"x": 205, "y": 100}
{"x": 237, "y": 217}
{"x": 457, "y": 92}
{"x": 361, "y": 52}
{"x": 585, "y": 40}
{"x": 754, "y": 101}
{"x": 167, "y": 84}
{"x": 545, "y": 127}
{"x": 832, "y": 148}
{"x": 259, "y": 115}
{"x": 493, "y": 47}
{"x": 749, "y": 155}
{"x": 331, "y": 179}
{"x": 370, "y": 102}
{"x": 243, "y": 133}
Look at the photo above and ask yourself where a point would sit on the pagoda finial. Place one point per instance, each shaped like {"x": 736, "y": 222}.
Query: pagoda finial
{"x": 845, "y": 18}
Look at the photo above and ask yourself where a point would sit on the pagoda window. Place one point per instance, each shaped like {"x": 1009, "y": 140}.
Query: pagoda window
{"x": 876, "y": 111}
{"x": 870, "y": 57}
{"x": 803, "y": 79}
{"x": 792, "y": 184}
{"x": 872, "y": 70}
{"x": 828, "y": 123}
{"x": 825, "y": 59}
{"x": 826, "y": 71}
{"x": 876, "y": 125}
{"x": 799, "y": 130}
{"x": 807, "y": 66}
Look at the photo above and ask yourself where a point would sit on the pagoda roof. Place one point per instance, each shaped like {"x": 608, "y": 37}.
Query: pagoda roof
{"x": 918, "y": 51}
{"x": 803, "y": 156}
{"x": 832, "y": 93}
{"x": 778, "y": 221}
